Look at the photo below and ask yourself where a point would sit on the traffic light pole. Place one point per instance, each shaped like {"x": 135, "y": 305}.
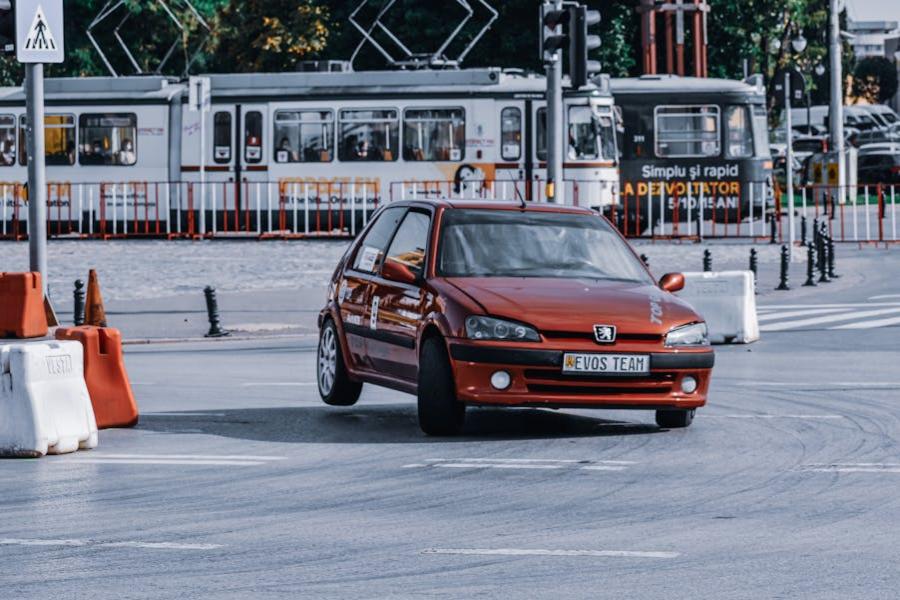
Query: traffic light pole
{"x": 836, "y": 108}
{"x": 37, "y": 175}
{"x": 789, "y": 160}
{"x": 555, "y": 133}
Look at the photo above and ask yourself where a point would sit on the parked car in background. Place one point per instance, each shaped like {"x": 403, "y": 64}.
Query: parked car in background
{"x": 879, "y": 163}
{"x": 882, "y": 113}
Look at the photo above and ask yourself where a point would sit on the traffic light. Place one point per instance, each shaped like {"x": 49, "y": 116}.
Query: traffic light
{"x": 581, "y": 42}
{"x": 552, "y": 37}
{"x": 7, "y": 27}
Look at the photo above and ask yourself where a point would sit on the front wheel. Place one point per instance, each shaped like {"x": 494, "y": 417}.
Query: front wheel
{"x": 440, "y": 413}
{"x": 674, "y": 419}
{"x": 335, "y": 386}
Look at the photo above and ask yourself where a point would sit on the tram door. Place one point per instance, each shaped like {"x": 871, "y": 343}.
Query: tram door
{"x": 251, "y": 167}
{"x": 514, "y": 167}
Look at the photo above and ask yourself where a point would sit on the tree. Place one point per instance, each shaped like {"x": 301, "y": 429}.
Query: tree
{"x": 267, "y": 35}
{"x": 875, "y": 79}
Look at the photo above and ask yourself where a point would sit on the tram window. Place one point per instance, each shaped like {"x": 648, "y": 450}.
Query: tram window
{"x": 59, "y": 140}
{"x": 253, "y": 134}
{"x": 222, "y": 137}
{"x": 7, "y": 140}
{"x": 434, "y": 134}
{"x": 369, "y": 135}
{"x": 761, "y": 131}
{"x": 740, "y": 132}
{"x": 511, "y": 133}
{"x": 304, "y": 136}
{"x": 540, "y": 145}
{"x": 582, "y": 134}
{"x": 684, "y": 131}
{"x": 107, "y": 139}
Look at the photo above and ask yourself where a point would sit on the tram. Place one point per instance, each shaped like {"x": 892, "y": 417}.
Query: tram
{"x": 692, "y": 150}
{"x": 297, "y": 153}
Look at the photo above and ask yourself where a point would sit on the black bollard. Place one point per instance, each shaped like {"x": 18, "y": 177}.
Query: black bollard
{"x": 785, "y": 265}
{"x": 212, "y": 308}
{"x": 79, "y": 303}
{"x": 645, "y": 260}
{"x": 754, "y": 268}
{"x": 707, "y": 261}
{"x": 802, "y": 231}
{"x": 773, "y": 229}
{"x": 830, "y": 245}
{"x": 823, "y": 260}
{"x": 810, "y": 266}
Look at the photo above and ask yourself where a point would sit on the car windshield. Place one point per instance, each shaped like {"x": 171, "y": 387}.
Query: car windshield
{"x": 512, "y": 243}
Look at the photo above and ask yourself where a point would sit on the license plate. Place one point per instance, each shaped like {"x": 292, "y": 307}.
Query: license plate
{"x": 606, "y": 363}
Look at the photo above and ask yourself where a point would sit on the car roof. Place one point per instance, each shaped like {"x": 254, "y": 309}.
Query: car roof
{"x": 496, "y": 205}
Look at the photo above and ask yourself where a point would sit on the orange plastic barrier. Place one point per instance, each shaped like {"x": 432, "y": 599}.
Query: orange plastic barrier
{"x": 22, "y": 306}
{"x": 105, "y": 374}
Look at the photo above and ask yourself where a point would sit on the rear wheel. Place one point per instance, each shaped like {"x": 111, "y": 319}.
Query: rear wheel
{"x": 440, "y": 413}
{"x": 675, "y": 419}
{"x": 335, "y": 386}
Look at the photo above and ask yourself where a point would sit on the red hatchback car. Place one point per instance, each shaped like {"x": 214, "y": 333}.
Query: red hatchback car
{"x": 505, "y": 304}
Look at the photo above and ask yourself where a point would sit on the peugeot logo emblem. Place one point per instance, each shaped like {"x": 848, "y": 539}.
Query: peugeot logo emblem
{"x": 605, "y": 334}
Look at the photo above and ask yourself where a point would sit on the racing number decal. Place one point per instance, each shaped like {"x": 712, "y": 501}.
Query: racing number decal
{"x": 656, "y": 311}
{"x": 373, "y": 319}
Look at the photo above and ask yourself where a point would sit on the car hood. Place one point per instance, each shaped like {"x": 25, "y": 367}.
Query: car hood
{"x": 576, "y": 305}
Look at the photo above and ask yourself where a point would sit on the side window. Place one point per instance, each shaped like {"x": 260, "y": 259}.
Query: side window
{"x": 7, "y": 140}
{"x": 253, "y": 135}
{"x": 107, "y": 139}
{"x": 369, "y": 135}
{"x": 59, "y": 137}
{"x": 411, "y": 240}
{"x": 687, "y": 131}
{"x": 739, "y": 140}
{"x": 540, "y": 141}
{"x": 371, "y": 251}
{"x": 434, "y": 134}
{"x": 304, "y": 136}
{"x": 222, "y": 137}
{"x": 582, "y": 134}
{"x": 511, "y": 133}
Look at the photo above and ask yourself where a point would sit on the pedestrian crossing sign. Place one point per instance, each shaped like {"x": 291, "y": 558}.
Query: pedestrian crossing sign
{"x": 39, "y": 31}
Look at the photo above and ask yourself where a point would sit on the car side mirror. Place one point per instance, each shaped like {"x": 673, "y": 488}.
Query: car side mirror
{"x": 394, "y": 270}
{"x": 672, "y": 282}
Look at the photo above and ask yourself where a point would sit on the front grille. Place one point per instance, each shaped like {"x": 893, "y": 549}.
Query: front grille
{"x": 593, "y": 390}
{"x": 554, "y": 382}
{"x": 589, "y": 335}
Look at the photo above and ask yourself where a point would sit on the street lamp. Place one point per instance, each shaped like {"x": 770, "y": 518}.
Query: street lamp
{"x": 799, "y": 43}
{"x": 820, "y": 69}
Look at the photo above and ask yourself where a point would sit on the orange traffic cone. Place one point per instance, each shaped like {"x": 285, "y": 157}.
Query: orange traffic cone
{"x": 94, "y": 314}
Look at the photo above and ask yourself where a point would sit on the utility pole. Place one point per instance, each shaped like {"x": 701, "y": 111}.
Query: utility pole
{"x": 789, "y": 158}
{"x": 836, "y": 109}
{"x": 552, "y": 42}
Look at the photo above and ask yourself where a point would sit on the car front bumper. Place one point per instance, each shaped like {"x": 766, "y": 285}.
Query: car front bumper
{"x": 537, "y": 378}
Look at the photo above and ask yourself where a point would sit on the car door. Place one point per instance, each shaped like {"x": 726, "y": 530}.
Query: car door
{"x": 356, "y": 284}
{"x": 396, "y": 309}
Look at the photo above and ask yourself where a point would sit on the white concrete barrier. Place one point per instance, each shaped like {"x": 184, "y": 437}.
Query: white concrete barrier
{"x": 727, "y": 302}
{"x": 44, "y": 403}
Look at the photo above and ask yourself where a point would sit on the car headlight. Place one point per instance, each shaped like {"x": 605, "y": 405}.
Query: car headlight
{"x": 695, "y": 334}
{"x": 489, "y": 328}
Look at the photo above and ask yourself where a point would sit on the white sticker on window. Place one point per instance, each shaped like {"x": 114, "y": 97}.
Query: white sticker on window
{"x": 373, "y": 319}
{"x": 368, "y": 258}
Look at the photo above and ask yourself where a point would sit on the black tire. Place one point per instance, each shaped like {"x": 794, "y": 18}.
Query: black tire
{"x": 675, "y": 419}
{"x": 440, "y": 413}
{"x": 335, "y": 386}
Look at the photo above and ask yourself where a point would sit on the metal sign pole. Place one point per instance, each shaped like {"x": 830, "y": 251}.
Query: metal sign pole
{"x": 202, "y": 113}
{"x": 37, "y": 174}
{"x": 789, "y": 159}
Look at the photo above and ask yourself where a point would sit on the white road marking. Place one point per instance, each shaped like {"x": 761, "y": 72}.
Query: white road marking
{"x": 191, "y": 460}
{"x": 803, "y": 384}
{"x": 871, "y": 324}
{"x": 531, "y": 460}
{"x": 540, "y": 552}
{"x": 805, "y": 306}
{"x": 774, "y": 316}
{"x": 773, "y": 417}
{"x": 852, "y": 468}
{"x": 884, "y": 296}
{"x": 101, "y": 544}
{"x": 847, "y": 316}
{"x": 490, "y": 466}
{"x": 279, "y": 384}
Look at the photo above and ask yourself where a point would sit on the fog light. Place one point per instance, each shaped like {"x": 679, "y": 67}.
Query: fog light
{"x": 500, "y": 380}
{"x": 688, "y": 385}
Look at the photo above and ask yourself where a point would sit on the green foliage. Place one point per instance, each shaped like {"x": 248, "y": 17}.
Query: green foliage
{"x": 875, "y": 79}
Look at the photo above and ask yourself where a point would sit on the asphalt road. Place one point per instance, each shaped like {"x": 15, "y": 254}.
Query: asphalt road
{"x": 239, "y": 483}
